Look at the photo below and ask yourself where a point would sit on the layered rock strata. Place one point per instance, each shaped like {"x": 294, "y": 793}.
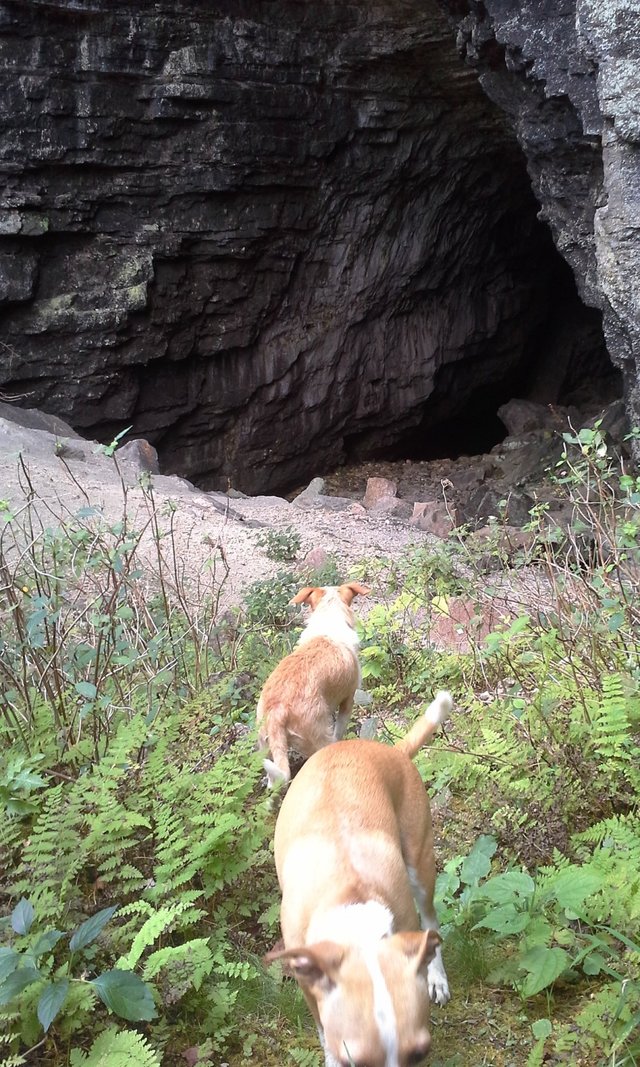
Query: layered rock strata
{"x": 269, "y": 235}
{"x": 567, "y": 77}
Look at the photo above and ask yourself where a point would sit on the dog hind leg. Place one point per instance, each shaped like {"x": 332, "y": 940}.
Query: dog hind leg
{"x": 342, "y": 718}
{"x": 277, "y": 768}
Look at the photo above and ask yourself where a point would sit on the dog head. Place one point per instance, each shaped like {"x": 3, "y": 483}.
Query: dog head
{"x": 315, "y": 594}
{"x": 372, "y": 1003}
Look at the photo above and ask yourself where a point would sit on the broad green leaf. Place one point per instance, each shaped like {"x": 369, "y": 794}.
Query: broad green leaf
{"x": 46, "y": 941}
{"x": 478, "y": 863}
{"x": 86, "y": 690}
{"x": 28, "y": 780}
{"x": 9, "y": 961}
{"x": 593, "y": 963}
{"x": 51, "y": 1001}
{"x": 572, "y": 885}
{"x": 89, "y": 930}
{"x": 125, "y": 994}
{"x": 616, "y": 621}
{"x": 447, "y": 883}
{"x": 16, "y": 982}
{"x": 544, "y": 966}
{"x": 14, "y": 806}
{"x": 22, "y": 916}
{"x": 505, "y": 920}
{"x": 504, "y": 887}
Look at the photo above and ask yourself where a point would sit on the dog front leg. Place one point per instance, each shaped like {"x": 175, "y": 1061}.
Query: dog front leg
{"x": 436, "y": 975}
{"x": 329, "y": 1058}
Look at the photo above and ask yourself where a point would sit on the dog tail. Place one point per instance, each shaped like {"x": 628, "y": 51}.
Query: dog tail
{"x": 426, "y": 726}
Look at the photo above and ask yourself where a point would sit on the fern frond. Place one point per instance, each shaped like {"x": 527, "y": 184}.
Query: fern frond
{"x": 305, "y": 1057}
{"x": 136, "y": 907}
{"x": 155, "y": 926}
{"x": 10, "y": 1033}
{"x": 192, "y": 962}
{"x": 620, "y": 833}
{"x": 117, "y": 1048}
{"x": 611, "y": 734}
{"x": 55, "y": 850}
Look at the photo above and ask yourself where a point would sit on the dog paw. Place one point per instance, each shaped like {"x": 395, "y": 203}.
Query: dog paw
{"x": 438, "y": 983}
{"x": 439, "y": 991}
{"x": 276, "y": 778}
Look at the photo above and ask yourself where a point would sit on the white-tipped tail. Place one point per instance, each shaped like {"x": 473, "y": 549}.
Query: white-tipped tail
{"x": 423, "y": 730}
{"x": 440, "y": 707}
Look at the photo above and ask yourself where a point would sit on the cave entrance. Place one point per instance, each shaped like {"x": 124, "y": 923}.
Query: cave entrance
{"x": 564, "y": 363}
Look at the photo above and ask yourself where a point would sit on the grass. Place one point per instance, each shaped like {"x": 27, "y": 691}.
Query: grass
{"x": 128, "y": 780}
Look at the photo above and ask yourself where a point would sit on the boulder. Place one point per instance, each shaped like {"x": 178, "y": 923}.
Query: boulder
{"x": 434, "y": 517}
{"x": 380, "y": 494}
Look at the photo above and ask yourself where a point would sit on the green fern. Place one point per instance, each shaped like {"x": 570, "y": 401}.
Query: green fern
{"x": 602, "y": 1026}
{"x": 183, "y": 966}
{"x": 620, "y": 833}
{"x": 117, "y": 1048}
{"x": 537, "y": 1056}
{"x": 10, "y": 1035}
{"x": 159, "y": 923}
{"x": 80, "y": 824}
{"x": 305, "y": 1057}
{"x": 54, "y": 849}
{"x": 611, "y": 735}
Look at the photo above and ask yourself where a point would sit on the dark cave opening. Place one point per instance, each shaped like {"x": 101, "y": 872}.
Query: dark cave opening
{"x": 476, "y": 429}
{"x": 566, "y": 366}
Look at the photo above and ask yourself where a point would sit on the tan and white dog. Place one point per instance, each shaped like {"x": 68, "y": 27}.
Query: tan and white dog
{"x": 354, "y": 855}
{"x": 316, "y": 682}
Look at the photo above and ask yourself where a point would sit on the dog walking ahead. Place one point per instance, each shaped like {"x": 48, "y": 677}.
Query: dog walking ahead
{"x": 316, "y": 682}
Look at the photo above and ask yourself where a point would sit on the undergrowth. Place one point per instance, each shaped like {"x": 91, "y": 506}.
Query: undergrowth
{"x": 137, "y": 885}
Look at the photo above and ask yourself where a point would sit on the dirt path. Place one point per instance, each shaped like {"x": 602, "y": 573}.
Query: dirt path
{"x": 66, "y": 477}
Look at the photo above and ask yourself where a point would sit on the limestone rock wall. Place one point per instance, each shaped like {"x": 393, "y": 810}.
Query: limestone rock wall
{"x": 270, "y": 233}
{"x": 567, "y": 76}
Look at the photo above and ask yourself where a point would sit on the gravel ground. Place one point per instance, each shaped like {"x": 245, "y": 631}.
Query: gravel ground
{"x": 66, "y": 476}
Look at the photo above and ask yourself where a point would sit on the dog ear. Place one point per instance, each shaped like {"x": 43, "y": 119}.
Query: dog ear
{"x": 351, "y": 589}
{"x": 303, "y": 595}
{"x": 311, "y": 964}
{"x": 420, "y": 947}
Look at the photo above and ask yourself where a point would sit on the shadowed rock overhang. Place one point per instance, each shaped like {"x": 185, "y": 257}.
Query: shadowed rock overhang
{"x": 270, "y": 236}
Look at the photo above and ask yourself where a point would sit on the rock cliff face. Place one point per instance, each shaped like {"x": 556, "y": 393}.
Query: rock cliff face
{"x": 566, "y": 75}
{"x": 269, "y": 234}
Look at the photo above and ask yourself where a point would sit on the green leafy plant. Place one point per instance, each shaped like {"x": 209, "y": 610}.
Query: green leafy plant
{"x": 110, "y": 449}
{"x": 280, "y": 545}
{"x": 79, "y": 633}
{"x": 18, "y": 781}
{"x": 37, "y": 960}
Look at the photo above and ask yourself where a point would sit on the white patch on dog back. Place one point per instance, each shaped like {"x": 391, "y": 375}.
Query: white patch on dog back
{"x": 352, "y": 924}
{"x": 383, "y": 1010}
